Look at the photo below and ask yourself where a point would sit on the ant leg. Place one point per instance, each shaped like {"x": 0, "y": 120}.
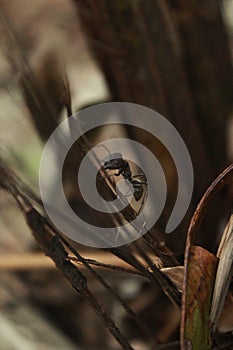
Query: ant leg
{"x": 139, "y": 182}
{"x": 139, "y": 175}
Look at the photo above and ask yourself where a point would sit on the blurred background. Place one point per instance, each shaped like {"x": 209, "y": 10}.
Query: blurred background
{"x": 175, "y": 58}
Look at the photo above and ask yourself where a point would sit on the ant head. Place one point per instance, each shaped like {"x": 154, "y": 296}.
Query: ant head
{"x": 113, "y": 161}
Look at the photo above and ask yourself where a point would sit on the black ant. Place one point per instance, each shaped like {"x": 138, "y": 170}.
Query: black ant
{"x": 116, "y": 162}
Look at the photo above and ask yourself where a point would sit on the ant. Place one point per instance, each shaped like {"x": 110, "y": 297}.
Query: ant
{"x": 116, "y": 162}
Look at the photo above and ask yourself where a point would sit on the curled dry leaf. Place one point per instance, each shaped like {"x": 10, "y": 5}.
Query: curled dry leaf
{"x": 199, "y": 279}
{"x": 199, "y": 275}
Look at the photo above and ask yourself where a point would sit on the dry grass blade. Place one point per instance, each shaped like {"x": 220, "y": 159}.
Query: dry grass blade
{"x": 166, "y": 284}
{"x": 224, "y": 273}
{"x": 160, "y": 249}
{"x": 155, "y": 276}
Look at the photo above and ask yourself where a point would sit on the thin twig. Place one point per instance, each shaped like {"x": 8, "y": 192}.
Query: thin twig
{"x": 156, "y": 276}
{"x": 52, "y": 247}
{"x": 166, "y": 284}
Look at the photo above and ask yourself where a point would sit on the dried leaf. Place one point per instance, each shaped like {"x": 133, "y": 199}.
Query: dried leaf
{"x": 176, "y": 275}
{"x": 199, "y": 280}
{"x": 199, "y": 275}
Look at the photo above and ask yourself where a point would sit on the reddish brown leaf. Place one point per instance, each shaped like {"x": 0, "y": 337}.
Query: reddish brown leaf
{"x": 198, "y": 296}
